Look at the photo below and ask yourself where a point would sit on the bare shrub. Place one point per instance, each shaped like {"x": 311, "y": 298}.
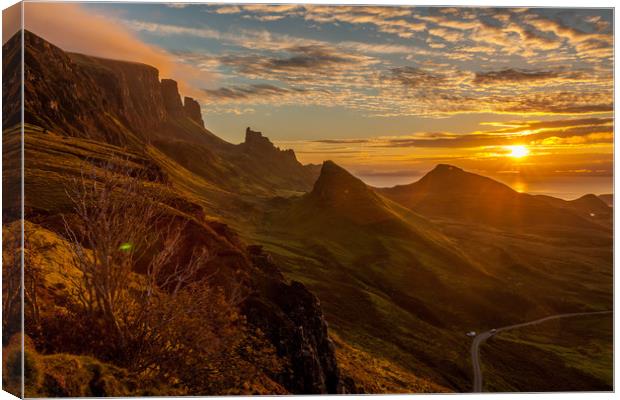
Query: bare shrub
{"x": 12, "y": 251}
{"x": 118, "y": 220}
{"x": 163, "y": 323}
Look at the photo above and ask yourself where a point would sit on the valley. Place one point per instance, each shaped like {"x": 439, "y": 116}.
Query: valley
{"x": 355, "y": 289}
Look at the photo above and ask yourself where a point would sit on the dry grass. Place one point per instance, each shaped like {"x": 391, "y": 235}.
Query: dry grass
{"x": 378, "y": 375}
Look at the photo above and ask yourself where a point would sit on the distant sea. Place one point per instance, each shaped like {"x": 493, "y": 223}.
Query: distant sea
{"x": 564, "y": 187}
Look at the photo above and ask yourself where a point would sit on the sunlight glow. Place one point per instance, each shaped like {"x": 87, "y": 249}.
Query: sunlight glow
{"x": 517, "y": 151}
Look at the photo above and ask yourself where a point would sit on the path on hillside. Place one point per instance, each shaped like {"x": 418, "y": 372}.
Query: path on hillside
{"x": 481, "y": 338}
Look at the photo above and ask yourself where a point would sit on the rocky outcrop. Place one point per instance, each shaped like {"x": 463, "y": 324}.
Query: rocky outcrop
{"x": 287, "y": 313}
{"x": 189, "y": 108}
{"x": 265, "y": 161}
{"x": 292, "y": 319}
{"x": 171, "y": 97}
{"x": 192, "y": 110}
{"x": 290, "y": 316}
{"x": 255, "y": 142}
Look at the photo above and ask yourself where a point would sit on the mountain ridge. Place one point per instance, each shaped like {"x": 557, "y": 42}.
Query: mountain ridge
{"x": 451, "y": 192}
{"x": 126, "y": 104}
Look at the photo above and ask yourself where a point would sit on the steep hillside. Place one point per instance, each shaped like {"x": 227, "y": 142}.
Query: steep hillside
{"x": 56, "y": 162}
{"x": 338, "y": 191}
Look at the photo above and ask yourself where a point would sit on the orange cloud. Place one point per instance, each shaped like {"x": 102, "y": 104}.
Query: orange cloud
{"x": 75, "y": 29}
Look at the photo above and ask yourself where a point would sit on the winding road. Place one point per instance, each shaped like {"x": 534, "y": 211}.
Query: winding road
{"x": 482, "y": 337}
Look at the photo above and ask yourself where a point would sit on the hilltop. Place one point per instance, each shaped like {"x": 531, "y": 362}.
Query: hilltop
{"x": 448, "y": 192}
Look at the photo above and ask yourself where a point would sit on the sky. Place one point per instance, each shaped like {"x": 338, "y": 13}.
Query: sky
{"x": 520, "y": 94}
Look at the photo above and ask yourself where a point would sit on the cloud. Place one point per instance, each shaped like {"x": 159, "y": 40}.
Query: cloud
{"x": 412, "y": 77}
{"x": 342, "y": 141}
{"x": 306, "y": 59}
{"x": 465, "y": 61}
{"x": 167, "y": 29}
{"x": 559, "y": 29}
{"x": 255, "y": 91}
{"x": 75, "y": 29}
{"x": 393, "y": 20}
{"x": 550, "y": 132}
{"x": 510, "y": 75}
{"x": 449, "y": 35}
{"x": 561, "y": 102}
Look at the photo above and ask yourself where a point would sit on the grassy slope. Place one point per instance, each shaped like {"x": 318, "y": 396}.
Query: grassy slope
{"x": 561, "y": 355}
{"x": 408, "y": 295}
{"x": 390, "y": 295}
{"x": 52, "y": 159}
{"x": 375, "y": 374}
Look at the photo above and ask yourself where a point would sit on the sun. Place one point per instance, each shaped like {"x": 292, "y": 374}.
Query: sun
{"x": 517, "y": 151}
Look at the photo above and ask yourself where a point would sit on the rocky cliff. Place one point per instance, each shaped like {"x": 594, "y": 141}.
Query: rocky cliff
{"x": 83, "y": 96}
{"x": 171, "y": 97}
{"x": 124, "y": 103}
{"x": 255, "y": 142}
{"x": 192, "y": 110}
{"x": 267, "y": 162}
{"x": 282, "y": 308}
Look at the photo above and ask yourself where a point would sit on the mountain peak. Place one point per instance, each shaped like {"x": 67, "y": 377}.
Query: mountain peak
{"x": 446, "y": 167}
{"x": 330, "y": 167}
{"x": 336, "y": 184}
{"x": 450, "y": 179}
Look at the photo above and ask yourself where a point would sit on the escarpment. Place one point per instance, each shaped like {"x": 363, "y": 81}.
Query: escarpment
{"x": 118, "y": 102}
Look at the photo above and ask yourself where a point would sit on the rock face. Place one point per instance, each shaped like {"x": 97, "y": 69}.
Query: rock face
{"x": 256, "y": 143}
{"x": 137, "y": 87}
{"x": 172, "y": 99}
{"x": 288, "y": 314}
{"x": 292, "y": 319}
{"x": 106, "y": 98}
{"x": 192, "y": 110}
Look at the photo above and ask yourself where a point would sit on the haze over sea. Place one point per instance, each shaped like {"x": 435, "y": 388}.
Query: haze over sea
{"x": 564, "y": 187}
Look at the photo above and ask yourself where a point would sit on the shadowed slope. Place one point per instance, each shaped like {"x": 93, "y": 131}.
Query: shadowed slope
{"x": 339, "y": 191}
